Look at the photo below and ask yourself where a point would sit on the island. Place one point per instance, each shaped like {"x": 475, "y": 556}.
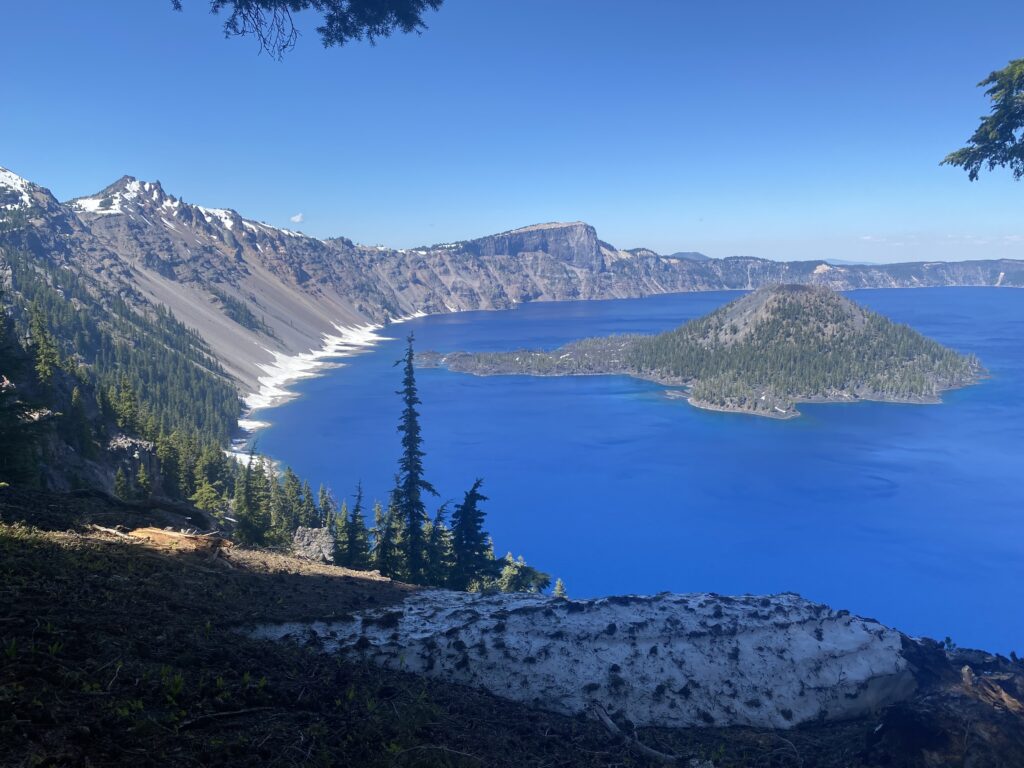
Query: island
{"x": 761, "y": 354}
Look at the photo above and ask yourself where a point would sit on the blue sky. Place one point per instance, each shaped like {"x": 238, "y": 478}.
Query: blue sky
{"x": 785, "y": 130}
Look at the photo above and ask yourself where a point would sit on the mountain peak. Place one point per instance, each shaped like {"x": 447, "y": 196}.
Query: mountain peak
{"x": 14, "y": 190}
{"x": 126, "y": 192}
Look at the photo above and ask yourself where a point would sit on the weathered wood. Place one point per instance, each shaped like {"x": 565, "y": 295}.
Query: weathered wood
{"x": 632, "y": 741}
{"x": 111, "y": 531}
{"x": 185, "y": 542}
{"x": 147, "y": 505}
{"x": 203, "y": 719}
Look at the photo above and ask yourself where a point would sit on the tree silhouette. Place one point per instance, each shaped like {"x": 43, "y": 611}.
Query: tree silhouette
{"x": 470, "y": 548}
{"x": 999, "y": 140}
{"x": 272, "y": 22}
{"x": 411, "y": 484}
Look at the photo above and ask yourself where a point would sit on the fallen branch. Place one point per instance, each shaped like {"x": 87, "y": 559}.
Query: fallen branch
{"x": 202, "y": 719}
{"x": 111, "y": 531}
{"x": 446, "y": 750}
{"x": 632, "y": 741}
{"x": 180, "y": 541}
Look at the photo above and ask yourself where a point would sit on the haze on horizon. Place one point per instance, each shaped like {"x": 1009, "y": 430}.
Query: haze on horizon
{"x": 796, "y": 131}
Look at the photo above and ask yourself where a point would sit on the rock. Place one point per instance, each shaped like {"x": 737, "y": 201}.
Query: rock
{"x": 214, "y": 269}
{"x": 316, "y": 544}
{"x": 672, "y": 660}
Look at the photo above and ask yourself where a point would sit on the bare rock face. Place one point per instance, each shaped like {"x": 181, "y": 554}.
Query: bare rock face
{"x": 575, "y": 243}
{"x": 316, "y": 544}
{"x": 668, "y": 660}
{"x": 253, "y": 291}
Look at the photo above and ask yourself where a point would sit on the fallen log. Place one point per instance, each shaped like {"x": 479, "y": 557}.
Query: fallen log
{"x": 183, "y": 542}
{"x": 147, "y": 505}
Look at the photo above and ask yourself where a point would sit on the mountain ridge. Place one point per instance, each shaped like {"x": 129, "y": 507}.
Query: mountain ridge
{"x": 211, "y": 266}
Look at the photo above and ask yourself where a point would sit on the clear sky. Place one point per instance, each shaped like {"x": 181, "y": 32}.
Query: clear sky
{"x": 785, "y": 130}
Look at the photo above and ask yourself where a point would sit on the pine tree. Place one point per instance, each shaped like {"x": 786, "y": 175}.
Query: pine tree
{"x": 387, "y": 557}
{"x": 439, "y": 550}
{"x": 559, "y": 590}
{"x": 309, "y": 515}
{"x": 207, "y": 499}
{"x": 253, "y": 518}
{"x": 43, "y": 345}
{"x": 328, "y": 511}
{"x": 517, "y": 576}
{"x": 17, "y": 444}
{"x": 167, "y": 455}
{"x": 17, "y": 432}
{"x": 78, "y": 426}
{"x": 126, "y": 404}
{"x": 411, "y": 484}
{"x": 280, "y": 514}
{"x": 471, "y": 553}
{"x": 121, "y": 489}
{"x": 143, "y": 486}
{"x": 357, "y": 549}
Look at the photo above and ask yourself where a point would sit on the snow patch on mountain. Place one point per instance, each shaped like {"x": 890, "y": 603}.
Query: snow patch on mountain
{"x": 222, "y": 215}
{"x": 667, "y": 660}
{"x": 99, "y": 206}
{"x": 14, "y": 191}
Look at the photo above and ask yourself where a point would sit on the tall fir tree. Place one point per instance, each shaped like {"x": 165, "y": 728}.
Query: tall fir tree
{"x": 309, "y": 515}
{"x": 411, "y": 485}
{"x": 357, "y": 549}
{"x": 472, "y": 557}
{"x": 247, "y": 513}
{"x": 143, "y": 485}
{"x": 387, "y": 535}
{"x": 328, "y": 510}
{"x": 121, "y": 489}
{"x": 18, "y": 439}
{"x": 439, "y": 550}
{"x": 43, "y": 345}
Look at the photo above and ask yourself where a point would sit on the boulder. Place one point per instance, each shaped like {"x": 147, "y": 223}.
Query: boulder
{"x": 315, "y": 544}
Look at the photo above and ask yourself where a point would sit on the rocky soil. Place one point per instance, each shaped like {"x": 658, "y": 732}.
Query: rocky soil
{"x": 118, "y": 652}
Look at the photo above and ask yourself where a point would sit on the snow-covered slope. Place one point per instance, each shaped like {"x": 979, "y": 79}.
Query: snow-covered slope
{"x": 667, "y": 660}
{"x": 14, "y": 191}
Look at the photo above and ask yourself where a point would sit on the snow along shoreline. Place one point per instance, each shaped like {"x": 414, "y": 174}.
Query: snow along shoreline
{"x": 287, "y": 369}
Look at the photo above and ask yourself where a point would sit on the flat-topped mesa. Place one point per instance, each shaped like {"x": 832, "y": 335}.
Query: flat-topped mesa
{"x": 575, "y": 243}
{"x": 761, "y": 354}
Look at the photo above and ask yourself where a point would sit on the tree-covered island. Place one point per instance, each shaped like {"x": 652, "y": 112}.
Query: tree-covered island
{"x": 761, "y": 354}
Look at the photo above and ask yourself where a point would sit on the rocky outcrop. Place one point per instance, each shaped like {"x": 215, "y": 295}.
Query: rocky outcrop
{"x": 313, "y": 544}
{"x": 668, "y": 660}
{"x": 575, "y": 244}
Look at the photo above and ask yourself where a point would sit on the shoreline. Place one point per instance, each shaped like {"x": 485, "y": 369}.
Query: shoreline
{"x": 677, "y": 389}
{"x": 285, "y": 369}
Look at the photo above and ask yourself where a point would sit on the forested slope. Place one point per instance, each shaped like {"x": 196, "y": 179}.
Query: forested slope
{"x": 762, "y": 353}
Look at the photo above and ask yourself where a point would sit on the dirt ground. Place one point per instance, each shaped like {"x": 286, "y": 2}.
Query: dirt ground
{"x": 115, "y": 652}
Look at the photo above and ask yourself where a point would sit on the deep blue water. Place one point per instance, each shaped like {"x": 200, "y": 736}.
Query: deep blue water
{"x": 911, "y": 514}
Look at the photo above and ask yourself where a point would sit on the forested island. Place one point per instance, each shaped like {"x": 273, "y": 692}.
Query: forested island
{"x": 761, "y": 354}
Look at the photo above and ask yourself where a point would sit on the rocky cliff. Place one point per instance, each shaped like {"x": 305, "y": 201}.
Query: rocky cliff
{"x": 252, "y": 290}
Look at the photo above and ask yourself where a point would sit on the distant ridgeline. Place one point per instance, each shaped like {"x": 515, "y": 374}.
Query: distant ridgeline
{"x": 760, "y": 354}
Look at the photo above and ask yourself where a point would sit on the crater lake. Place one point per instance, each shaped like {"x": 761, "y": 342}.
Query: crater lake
{"x": 911, "y": 514}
